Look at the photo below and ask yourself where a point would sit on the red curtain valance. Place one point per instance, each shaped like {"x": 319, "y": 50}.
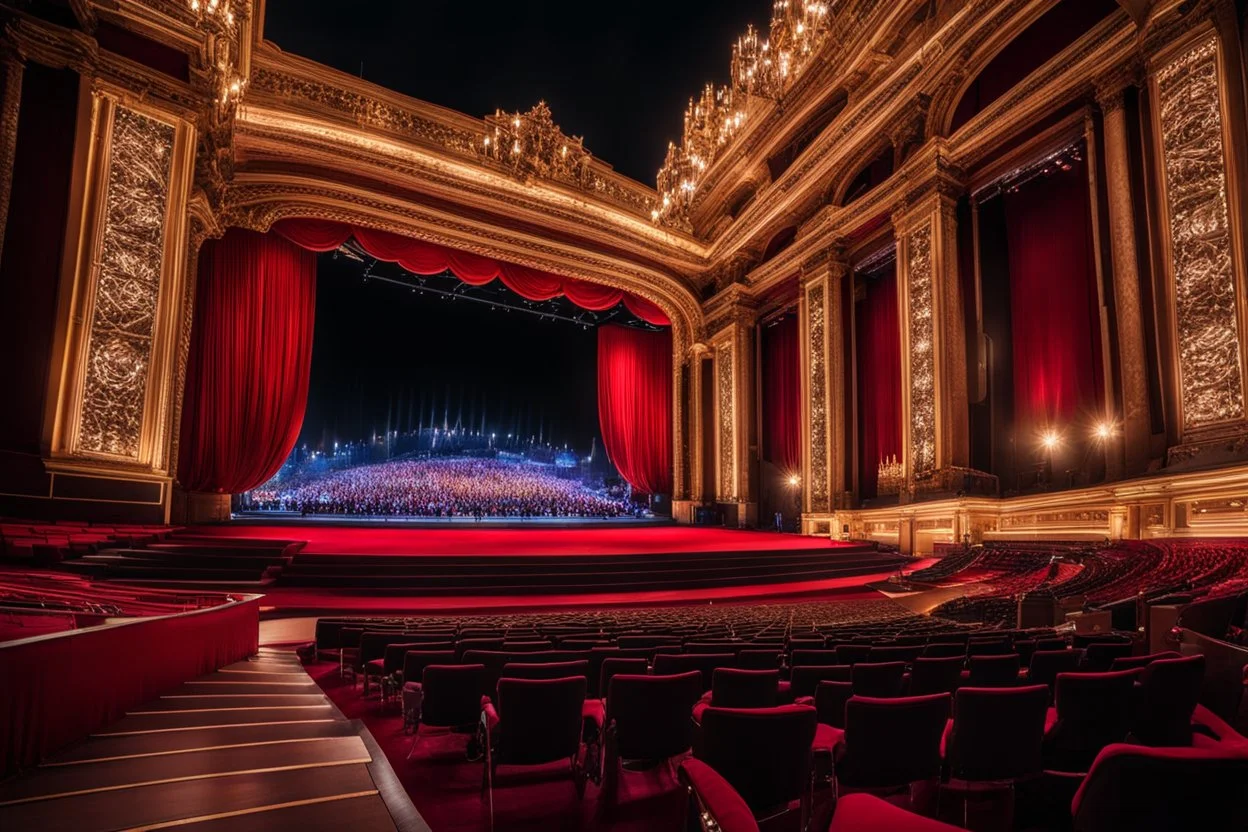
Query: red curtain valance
{"x": 635, "y": 405}
{"x": 250, "y": 361}
{"x": 429, "y": 258}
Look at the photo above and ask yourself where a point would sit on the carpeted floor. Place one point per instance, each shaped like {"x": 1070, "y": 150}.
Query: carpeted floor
{"x": 367, "y": 540}
{"x": 446, "y": 787}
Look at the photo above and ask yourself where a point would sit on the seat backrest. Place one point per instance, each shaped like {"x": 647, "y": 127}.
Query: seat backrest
{"x": 892, "y": 742}
{"x": 415, "y": 662}
{"x": 1093, "y": 711}
{"x": 993, "y": 670}
{"x": 1046, "y": 664}
{"x": 803, "y": 679}
{"x": 714, "y": 797}
{"x": 466, "y": 644}
{"x": 879, "y": 679}
{"x": 626, "y": 642}
{"x": 712, "y": 646}
{"x": 997, "y": 732}
{"x": 734, "y": 741}
{"x": 1140, "y": 789}
{"x": 938, "y": 674}
{"x": 830, "y": 699}
{"x": 526, "y": 646}
{"x": 991, "y": 647}
{"x": 1168, "y": 694}
{"x": 649, "y": 715}
{"x": 944, "y": 649}
{"x": 614, "y": 666}
{"x": 1049, "y": 644}
{"x": 803, "y": 657}
{"x": 545, "y": 670}
{"x": 540, "y": 720}
{"x": 1141, "y": 662}
{"x": 759, "y": 659}
{"x": 452, "y": 694}
{"x": 394, "y": 655}
{"x": 852, "y": 653}
{"x": 1101, "y": 654}
{"x": 895, "y": 653}
{"x": 667, "y": 664}
{"x": 735, "y": 688}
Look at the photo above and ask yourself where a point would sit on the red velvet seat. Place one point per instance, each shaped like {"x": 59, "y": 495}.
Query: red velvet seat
{"x": 1141, "y": 662}
{"x": 891, "y": 742}
{"x": 1046, "y": 664}
{"x": 866, "y": 813}
{"x": 852, "y": 653}
{"x": 546, "y": 670}
{"x": 997, "y": 733}
{"x": 880, "y": 680}
{"x": 1092, "y": 710}
{"x": 735, "y": 742}
{"x": 533, "y": 722}
{"x": 669, "y": 664}
{"x": 895, "y": 653}
{"x": 989, "y": 671}
{"x": 804, "y": 679}
{"x": 450, "y": 697}
{"x": 736, "y": 688}
{"x": 715, "y": 805}
{"x": 806, "y": 656}
{"x": 1100, "y": 656}
{"x": 646, "y": 718}
{"x": 613, "y": 666}
{"x": 1137, "y": 789}
{"x": 1166, "y": 699}
{"x": 759, "y": 659}
{"x": 935, "y": 675}
{"x": 944, "y": 650}
{"x": 829, "y": 702}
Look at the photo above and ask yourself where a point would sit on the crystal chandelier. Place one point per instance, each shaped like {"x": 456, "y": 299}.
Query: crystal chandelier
{"x": 762, "y": 68}
{"x": 532, "y": 144}
{"x": 890, "y": 476}
{"x": 218, "y": 18}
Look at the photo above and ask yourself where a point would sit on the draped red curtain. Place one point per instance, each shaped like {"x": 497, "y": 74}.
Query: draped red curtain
{"x": 1055, "y": 316}
{"x": 782, "y": 395}
{"x": 879, "y": 379}
{"x": 250, "y": 361}
{"x": 428, "y": 258}
{"x": 635, "y": 405}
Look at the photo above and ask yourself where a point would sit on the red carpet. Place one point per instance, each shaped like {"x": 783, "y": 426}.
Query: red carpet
{"x": 364, "y": 540}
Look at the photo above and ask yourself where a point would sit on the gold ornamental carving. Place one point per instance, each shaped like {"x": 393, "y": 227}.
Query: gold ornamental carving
{"x": 1201, "y": 256}
{"x": 725, "y": 404}
{"x": 124, "y": 306}
{"x": 920, "y": 318}
{"x": 816, "y": 327}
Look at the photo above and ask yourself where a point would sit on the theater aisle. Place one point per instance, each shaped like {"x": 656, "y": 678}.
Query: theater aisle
{"x": 255, "y": 745}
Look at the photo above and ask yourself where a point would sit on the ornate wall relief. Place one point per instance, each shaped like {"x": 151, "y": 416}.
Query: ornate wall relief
{"x": 922, "y": 351}
{"x": 123, "y": 308}
{"x": 725, "y": 409}
{"x": 816, "y": 328}
{"x": 1205, "y": 305}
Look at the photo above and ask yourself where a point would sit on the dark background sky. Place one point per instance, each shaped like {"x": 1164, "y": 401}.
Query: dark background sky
{"x": 617, "y": 73}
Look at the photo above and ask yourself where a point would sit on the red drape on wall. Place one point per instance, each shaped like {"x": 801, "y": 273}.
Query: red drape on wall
{"x": 250, "y": 360}
{"x": 1054, "y": 316}
{"x": 879, "y": 379}
{"x": 782, "y": 395}
{"x": 635, "y": 405}
{"x": 428, "y": 258}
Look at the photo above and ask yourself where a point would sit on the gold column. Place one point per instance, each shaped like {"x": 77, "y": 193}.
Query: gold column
{"x": 823, "y": 378}
{"x": 1203, "y": 246}
{"x": 935, "y": 416}
{"x": 10, "y": 106}
{"x": 733, "y": 348}
{"x": 1136, "y": 427}
{"x": 116, "y": 380}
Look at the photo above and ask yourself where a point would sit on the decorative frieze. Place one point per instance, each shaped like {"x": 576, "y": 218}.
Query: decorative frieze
{"x": 1211, "y": 384}
{"x": 919, "y": 311}
{"x": 127, "y": 287}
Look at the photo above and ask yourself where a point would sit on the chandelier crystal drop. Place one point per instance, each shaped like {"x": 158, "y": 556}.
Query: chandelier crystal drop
{"x": 762, "y": 68}
{"x": 219, "y": 19}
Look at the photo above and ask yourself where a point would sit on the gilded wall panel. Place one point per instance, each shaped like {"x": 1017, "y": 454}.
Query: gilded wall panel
{"x": 922, "y": 357}
{"x": 725, "y": 403}
{"x": 127, "y": 288}
{"x": 816, "y": 327}
{"x": 1205, "y": 305}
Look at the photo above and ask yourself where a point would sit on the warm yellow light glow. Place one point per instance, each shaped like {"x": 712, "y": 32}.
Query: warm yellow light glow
{"x": 1050, "y": 440}
{"x": 1103, "y": 431}
{"x": 794, "y": 480}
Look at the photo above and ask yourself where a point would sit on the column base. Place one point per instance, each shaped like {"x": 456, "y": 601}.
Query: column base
{"x": 682, "y": 511}
{"x": 190, "y": 508}
{"x": 739, "y": 515}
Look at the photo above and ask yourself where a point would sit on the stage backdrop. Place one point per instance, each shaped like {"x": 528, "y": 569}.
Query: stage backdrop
{"x": 1053, "y": 300}
{"x": 879, "y": 379}
{"x": 782, "y": 395}
{"x": 635, "y": 405}
{"x": 250, "y": 361}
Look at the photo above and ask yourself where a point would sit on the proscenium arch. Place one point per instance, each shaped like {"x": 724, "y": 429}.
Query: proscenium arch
{"x": 262, "y": 210}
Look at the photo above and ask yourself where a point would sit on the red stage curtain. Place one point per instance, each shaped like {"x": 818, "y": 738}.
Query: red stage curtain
{"x": 879, "y": 379}
{"x": 635, "y": 405}
{"x": 251, "y": 356}
{"x": 428, "y": 258}
{"x": 1053, "y": 301}
{"x": 782, "y": 395}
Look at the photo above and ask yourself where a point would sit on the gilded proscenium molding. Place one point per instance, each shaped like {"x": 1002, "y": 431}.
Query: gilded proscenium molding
{"x": 1201, "y": 260}
{"x": 822, "y": 326}
{"x": 117, "y": 393}
{"x": 816, "y": 382}
{"x": 919, "y": 345}
{"x": 733, "y": 348}
{"x": 726, "y": 419}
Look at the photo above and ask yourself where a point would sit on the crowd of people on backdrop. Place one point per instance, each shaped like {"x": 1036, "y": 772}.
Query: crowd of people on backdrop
{"x": 440, "y": 487}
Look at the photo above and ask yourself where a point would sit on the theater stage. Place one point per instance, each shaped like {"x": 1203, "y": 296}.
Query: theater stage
{"x": 419, "y": 539}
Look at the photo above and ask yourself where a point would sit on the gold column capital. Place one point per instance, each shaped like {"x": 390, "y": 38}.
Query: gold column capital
{"x": 1112, "y": 85}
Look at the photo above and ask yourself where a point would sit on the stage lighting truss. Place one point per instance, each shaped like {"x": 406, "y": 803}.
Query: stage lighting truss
{"x": 447, "y": 287}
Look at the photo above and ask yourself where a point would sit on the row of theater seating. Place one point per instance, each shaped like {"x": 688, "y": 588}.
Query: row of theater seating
{"x": 957, "y": 709}
{"x": 41, "y": 544}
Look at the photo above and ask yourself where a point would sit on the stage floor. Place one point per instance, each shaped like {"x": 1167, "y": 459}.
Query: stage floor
{"x": 536, "y": 540}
